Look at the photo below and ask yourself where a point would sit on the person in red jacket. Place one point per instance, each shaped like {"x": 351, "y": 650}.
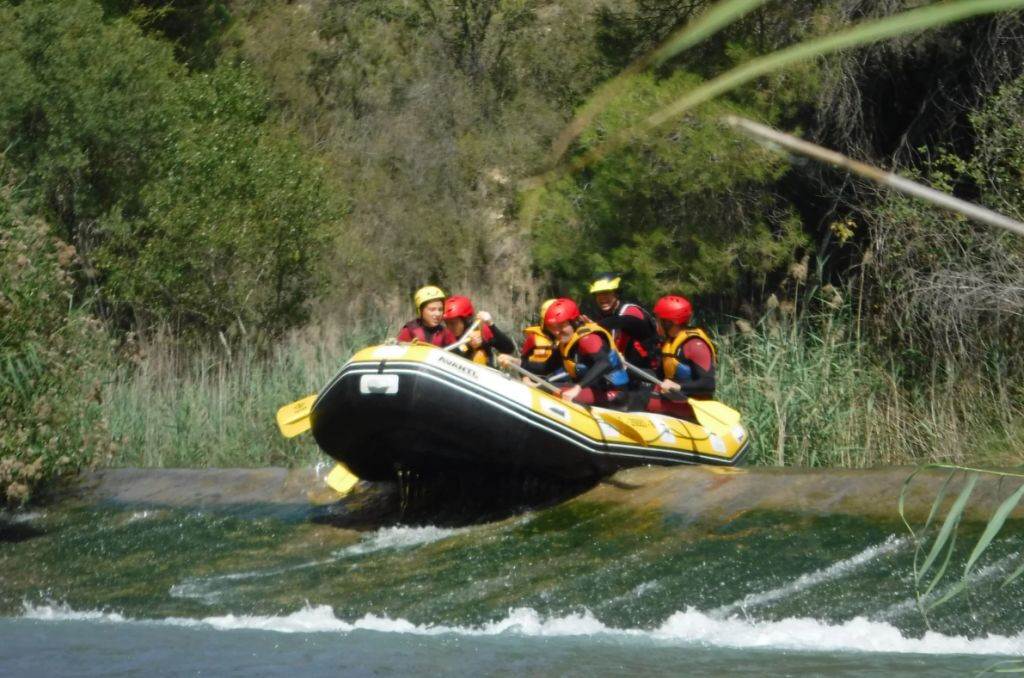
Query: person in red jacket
{"x": 589, "y": 356}
{"x": 459, "y": 316}
{"x": 633, "y": 328}
{"x": 688, "y": 356}
{"x": 428, "y": 327}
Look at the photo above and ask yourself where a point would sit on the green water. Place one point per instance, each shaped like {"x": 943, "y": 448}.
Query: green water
{"x": 578, "y": 588}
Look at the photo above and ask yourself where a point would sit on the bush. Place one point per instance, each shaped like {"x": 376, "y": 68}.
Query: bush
{"x": 945, "y": 286}
{"x": 687, "y": 208}
{"x": 52, "y": 356}
{"x": 230, "y": 232}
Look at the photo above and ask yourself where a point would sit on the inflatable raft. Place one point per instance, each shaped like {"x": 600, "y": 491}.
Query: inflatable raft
{"x": 414, "y": 407}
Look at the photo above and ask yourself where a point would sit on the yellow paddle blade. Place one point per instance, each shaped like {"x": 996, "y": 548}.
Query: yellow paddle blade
{"x": 714, "y": 416}
{"x": 341, "y": 480}
{"x": 293, "y": 418}
{"x": 621, "y": 426}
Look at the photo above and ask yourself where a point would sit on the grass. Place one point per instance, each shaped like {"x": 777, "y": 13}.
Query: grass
{"x": 815, "y": 394}
{"x": 215, "y": 408}
{"x": 209, "y": 409}
{"x": 812, "y": 393}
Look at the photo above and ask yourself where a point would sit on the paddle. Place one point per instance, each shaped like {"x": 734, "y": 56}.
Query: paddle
{"x": 611, "y": 419}
{"x": 704, "y": 410}
{"x": 293, "y": 419}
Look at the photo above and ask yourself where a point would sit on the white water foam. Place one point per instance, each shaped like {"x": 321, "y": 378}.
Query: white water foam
{"x": 22, "y": 516}
{"x": 399, "y": 538}
{"x": 690, "y": 627}
{"x": 836, "y": 570}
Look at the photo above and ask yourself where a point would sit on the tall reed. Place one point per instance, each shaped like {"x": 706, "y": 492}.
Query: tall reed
{"x": 814, "y": 393}
{"x": 214, "y": 408}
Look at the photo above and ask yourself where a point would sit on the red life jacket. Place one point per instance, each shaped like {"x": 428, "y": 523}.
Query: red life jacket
{"x": 438, "y": 337}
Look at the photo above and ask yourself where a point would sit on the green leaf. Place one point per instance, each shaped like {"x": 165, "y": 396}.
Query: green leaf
{"x": 952, "y": 518}
{"x": 1016, "y": 573}
{"x": 993, "y": 527}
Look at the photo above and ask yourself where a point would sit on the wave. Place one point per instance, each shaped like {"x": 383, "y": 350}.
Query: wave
{"x": 834, "y": 571}
{"x": 399, "y": 538}
{"x": 689, "y": 627}
{"x": 209, "y": 589}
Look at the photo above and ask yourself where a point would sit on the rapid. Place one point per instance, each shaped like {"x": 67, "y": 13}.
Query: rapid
{"x": 662, "y": 571}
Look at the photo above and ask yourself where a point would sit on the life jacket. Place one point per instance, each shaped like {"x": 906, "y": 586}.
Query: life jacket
{"x": 480, "y": 355}
{"x": 543, "y": 346}
{"x": 419, "y": 332}
{"x": 618, "y": 377}
{"x": 669, "y": 361}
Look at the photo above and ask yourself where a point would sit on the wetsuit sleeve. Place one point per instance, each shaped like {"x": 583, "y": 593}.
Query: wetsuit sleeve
{"x": 700, "y": 382}
{"x": 501, "y": 341}
{"x": 598, "y": 355}
{"x": 698, "y": 355}
{"x": 698, "y": 352}
{"x": 447, "y": 338}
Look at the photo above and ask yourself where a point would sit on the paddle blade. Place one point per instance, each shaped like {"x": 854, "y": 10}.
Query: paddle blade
{"x": 293, "y": 419}
{"x": 622, "y": 426}
{"x": 341, "y": 480}
{"x": 714, "y": 416}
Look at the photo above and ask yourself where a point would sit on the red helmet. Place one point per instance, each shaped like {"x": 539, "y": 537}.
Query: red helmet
{"x": 560, "y": 311}
{"x": 457, "y": 307}
{"x": 673, "y": 308}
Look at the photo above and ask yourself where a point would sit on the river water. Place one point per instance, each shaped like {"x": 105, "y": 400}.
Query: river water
{"x": 578, "y": 589}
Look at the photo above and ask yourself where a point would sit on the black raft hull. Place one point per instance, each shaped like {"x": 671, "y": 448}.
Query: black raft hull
{"x": 416, "y": 408}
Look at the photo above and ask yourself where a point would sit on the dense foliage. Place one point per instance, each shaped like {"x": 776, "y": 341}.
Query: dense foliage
{"x": 165, "y": 197}
{"x": 689, "y": 209}
{"x": 186, "y": 202}
{"x": 202, "y": 172}
{"x": 53, "y": 355}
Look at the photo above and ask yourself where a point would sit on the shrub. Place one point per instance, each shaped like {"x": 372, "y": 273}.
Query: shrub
{"x": 52, "y": 356}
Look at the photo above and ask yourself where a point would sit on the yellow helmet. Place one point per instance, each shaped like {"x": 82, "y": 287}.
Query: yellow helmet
{"x": 427, "y": 294}
{"x": 606, "y": 282}
{"x": 544, "y": 308}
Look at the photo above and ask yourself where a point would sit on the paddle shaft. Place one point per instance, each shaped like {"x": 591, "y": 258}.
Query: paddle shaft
{"x": 530, "y": 375}
{"x": 466, "y": 336}
{"x": 643, "y": 374}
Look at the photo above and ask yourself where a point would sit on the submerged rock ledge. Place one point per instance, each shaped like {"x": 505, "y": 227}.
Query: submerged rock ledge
{"x": 702, "y": 494}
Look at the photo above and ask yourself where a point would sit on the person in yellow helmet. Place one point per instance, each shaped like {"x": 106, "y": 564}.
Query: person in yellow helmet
{"x": 428, "y": 327}
{"x": 634, "y": 329}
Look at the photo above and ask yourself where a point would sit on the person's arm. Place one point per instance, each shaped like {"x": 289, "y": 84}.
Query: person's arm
{"x": 599, "y": 356}
{"x": 635, "y": 326}
{"x": 501, "y": 341}
{"x": 405, "y": 334}
{"x": 702, "y": 367}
